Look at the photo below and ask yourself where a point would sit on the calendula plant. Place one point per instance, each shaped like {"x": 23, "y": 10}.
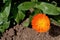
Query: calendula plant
{"x": 40, "y": 14}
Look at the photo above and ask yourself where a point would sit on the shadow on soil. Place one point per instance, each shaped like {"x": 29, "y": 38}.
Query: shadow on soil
{"x": 54, "y": 31}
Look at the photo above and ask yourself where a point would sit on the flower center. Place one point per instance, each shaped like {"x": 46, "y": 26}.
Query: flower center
{"x": 41, "y": 23}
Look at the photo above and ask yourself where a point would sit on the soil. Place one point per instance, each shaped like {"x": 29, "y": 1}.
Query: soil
{"x": 19, "y": 32}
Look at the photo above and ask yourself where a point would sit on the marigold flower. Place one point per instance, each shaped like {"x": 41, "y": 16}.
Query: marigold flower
{"x": 40, "y": 23}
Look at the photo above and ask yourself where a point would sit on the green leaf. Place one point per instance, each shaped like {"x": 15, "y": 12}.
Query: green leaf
{"x": 58, "y": 8}
{"x": 48, "y": 8}
{"x": 7, "y": 9}
{"x": 55, "y": 19}
{"x": 55, "y": 22}
{"x": 4, "y": 1}
{"x": 34, "y": 0}
{"x": 26, "y": 5}
{"x": 20, "y": 16}
{"x": 36, "y": 11}
{"x": 26, "y": 23}
{"x": 4, "y": 17}
{"x": 4, "y": 26}
{"x": 5, "y": 13}
{"x": 2, "y": 30}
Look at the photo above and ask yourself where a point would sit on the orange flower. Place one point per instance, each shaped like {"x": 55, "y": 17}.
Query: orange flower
{"x": 40, "y": 23}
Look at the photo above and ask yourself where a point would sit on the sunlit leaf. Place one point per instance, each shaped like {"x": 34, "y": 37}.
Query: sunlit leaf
{"x": 4, "y": 17}
{"x": 48, "y": 8}
{"x": 26, "y": 5}
{"x": 20, "y": 16}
